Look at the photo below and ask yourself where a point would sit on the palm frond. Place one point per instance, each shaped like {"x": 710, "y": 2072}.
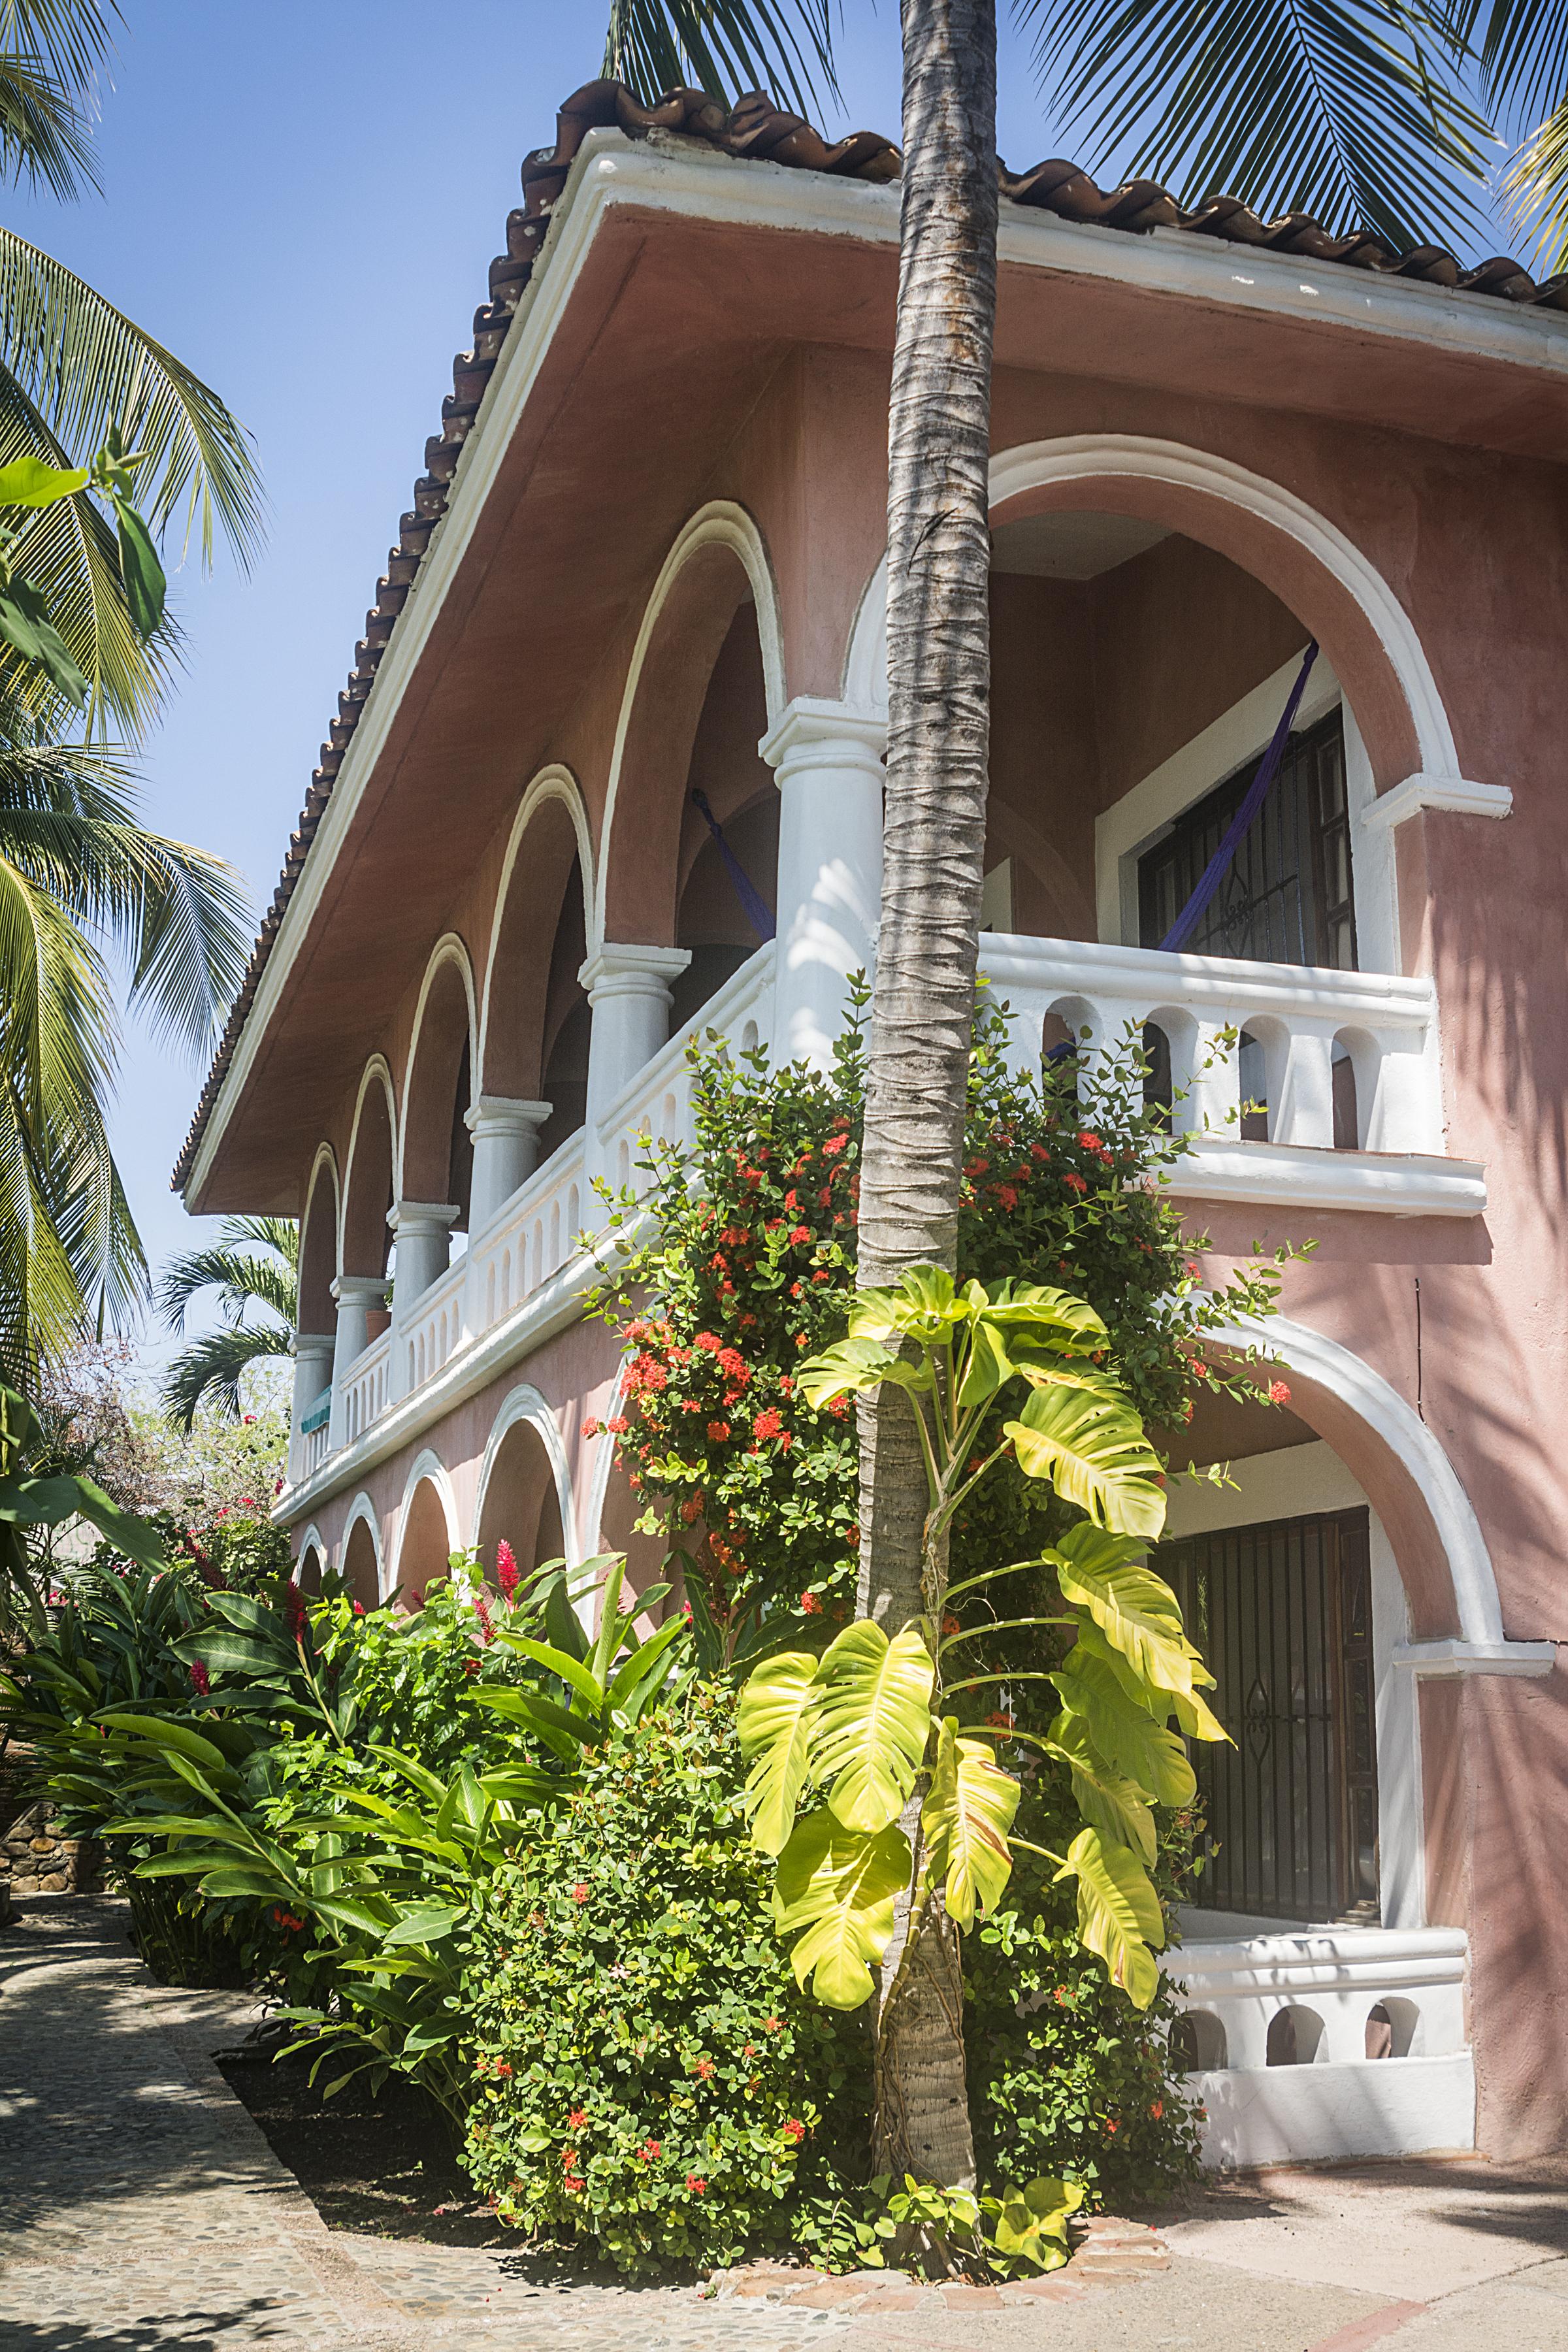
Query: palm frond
{"x": 1535, "y": 193}
{"x": 724, "y": 47}
{"x": 1350, "y": 109}
{"x": 240, "y": 1275}
{"x": 71, "y": 39}
{"x": 1523, "y": 57}
{"x": 214, "y": 1365}
{"x": 44, "y": 136}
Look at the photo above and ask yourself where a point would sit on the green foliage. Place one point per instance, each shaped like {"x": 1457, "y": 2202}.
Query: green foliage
{"x": 36, "y": 1494}
{"x": 651, "y": 2083}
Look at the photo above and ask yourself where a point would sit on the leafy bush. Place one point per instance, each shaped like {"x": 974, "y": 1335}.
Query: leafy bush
{"x": 651, "y": 2083}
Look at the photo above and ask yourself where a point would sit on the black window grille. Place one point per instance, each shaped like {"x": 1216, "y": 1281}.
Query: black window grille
{"x": 1285, "y": 897}
{"x": 1282, "y": 1614}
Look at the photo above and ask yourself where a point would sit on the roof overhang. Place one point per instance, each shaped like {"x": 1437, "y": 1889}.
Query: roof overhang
{"x": 1379, "y": 350}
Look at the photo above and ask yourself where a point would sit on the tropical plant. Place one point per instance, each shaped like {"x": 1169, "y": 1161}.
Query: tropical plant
{"x": 253, "y": 1263}
{"x": 36, "y": 1497}
{"x": 917, "y": 1810}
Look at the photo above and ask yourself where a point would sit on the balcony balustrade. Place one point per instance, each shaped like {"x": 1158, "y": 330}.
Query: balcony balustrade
{"x": 1340, "y": 1067}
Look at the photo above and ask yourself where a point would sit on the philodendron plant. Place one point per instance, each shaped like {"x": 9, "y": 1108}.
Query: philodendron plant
{"x": 858, "y": 1726}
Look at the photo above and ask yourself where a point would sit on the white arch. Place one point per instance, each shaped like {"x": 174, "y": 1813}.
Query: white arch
{"x": 605, "y": 1461}
{"x": 526, "y": 1404}
{"x": 720, "y": 523}
{"x": 1082, "y": 457}
{"x": 1384, "y": 1411}
{"x": 426, "y": 1465}
{"x": 325, "y": 1156}
{"x": 313, "y": 1536}
{"x": 377, "y": 1071}
{"x": 551, "y": 783}
{"x": 362, "y": 1507}
{"x": 449, "y": 949}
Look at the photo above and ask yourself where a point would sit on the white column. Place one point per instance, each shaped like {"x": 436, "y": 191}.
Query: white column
{"x": 505, "y": 1151}
{"x": 357, "y": 1294}
{"x": 313, "y": 1353}
{"x": 828, "y": 758}
{"x": 629, "y": 991}
{"x": 423, "y": 1232}
{"x": 1304, "y": 1112}
{"x": 1213, "y": 1093}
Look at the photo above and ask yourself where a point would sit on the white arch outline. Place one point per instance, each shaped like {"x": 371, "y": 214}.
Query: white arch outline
{"x": 377, "y": 1066}
{"x": 450, "y": 948}
{"x": 426, "y": 1464}
{"x": 553, "y": 783}
{"x": 526, "y": 1403}
{"x": 325, "y": 1156}
{"x": 605, "y": 1461}
{"x": 1383, "y": 1410}
{"x": 1081, "y": 457}
{"x": 720, "y": 523}
{"x": 362, "y": 1507}
{"x": 312, "y": 1535}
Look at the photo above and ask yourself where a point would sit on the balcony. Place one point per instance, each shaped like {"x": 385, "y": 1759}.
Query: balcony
{"x": 1343, "y": 1066}
{"x": 1322, "y": 1053}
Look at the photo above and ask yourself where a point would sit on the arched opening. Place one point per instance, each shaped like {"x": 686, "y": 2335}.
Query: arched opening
{"x": 438, "y": 1154}
{"x": 318, "y": 1250}
{"x": 1296, "y": 2037}
{"x": 424, "y": 1556}
{"x": 1392, "y": 2028}
{"x": 367, "y": 1192}
{"x": 704, "y": 685}
{"x": 308, "y": 1573}
{"x": 729, "y": 877}
{"x": 362, "y": 1570}
{"x": 1197, "y": 2043}
{"x": 521, "y": 1502}
{"x": 536, "y": 1024}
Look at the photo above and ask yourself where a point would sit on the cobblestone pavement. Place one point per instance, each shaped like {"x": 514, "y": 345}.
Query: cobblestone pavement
{"x": 140, "y": 2208}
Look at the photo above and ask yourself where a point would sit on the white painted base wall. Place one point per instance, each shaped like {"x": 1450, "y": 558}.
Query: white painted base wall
{"x": 1314, "y": 2115}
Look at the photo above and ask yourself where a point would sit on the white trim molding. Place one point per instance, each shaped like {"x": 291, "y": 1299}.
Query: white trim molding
{"x": 362, "y": 1507}
{"x": 1444, "y": 1660}
{"x": 426, "y": 1465}
{"x": 1402, "y": 801}
{"x": 526, "y": 1404}
{"x": 1300, "y": 1176}
{"x": 553, "y": 784}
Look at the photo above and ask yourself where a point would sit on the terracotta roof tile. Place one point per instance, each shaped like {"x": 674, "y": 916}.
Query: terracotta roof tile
{"x": 757, "y": 130}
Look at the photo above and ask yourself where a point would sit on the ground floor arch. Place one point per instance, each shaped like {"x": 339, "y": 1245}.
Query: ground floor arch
{"x": 429, "y": 1532}
{"x": 525, "y": 1488}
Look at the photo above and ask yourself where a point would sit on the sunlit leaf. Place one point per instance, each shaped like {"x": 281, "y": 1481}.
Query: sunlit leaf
{"x": 841, "y": 1886}
{"x": 1134, "y": 1609}
{"x": 1118, "y": 1914}
{"x": 872, "y": 1722}
{"x": 965, "y": 1819}
{"x": 1093, "y": 1448}
{"x": 775, "y": 1719}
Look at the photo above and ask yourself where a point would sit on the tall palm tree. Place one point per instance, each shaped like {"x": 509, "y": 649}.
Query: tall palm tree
{"x": 1355, "y": 109}
{"x": 78, "y": 876}
{"x": 254, "y": 1263}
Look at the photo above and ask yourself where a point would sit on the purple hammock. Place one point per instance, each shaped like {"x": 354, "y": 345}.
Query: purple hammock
{"x": 1236, "y": 831}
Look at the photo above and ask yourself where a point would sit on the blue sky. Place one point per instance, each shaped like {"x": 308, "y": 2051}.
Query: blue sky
{"x": 302, "y": 202}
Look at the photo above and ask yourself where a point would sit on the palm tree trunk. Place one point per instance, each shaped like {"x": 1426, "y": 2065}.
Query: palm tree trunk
{"x": 938, "y": 678}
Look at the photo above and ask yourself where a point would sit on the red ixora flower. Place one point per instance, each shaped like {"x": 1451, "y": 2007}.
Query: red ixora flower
{"x": 767, "y": 1423}
{"x": 703, "y": 2068}
{"x": 1157, "y": 2108}
{"x": 1073, "y": 1180}
{"x": 696, "y": 2185}
{"x": 1277, "y": 1392}
{"x": 651, "y": 2150}
{"x": 795, "y": 2129}
{"x": 578, "y": 2118}
{"x": 506, "y": 1571}
{"x": 717, "y": 1431}
{"x": 810, "y": 1605}
{"x": 580, "y": 1892}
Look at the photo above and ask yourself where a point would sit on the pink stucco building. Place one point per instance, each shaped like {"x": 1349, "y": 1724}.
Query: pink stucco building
{"x": 647, "y": 559}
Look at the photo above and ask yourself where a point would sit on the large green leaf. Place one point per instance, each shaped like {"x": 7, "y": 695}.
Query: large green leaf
{"x": 873, "y": 1722}
{"x": 840, "y": 1886}
{"x": 1111, "y": 1803}
{"x": 27, "y": 481}
{"x": 853, "y": 1367}
{"x": 1093, "y": 1450}
{"x": 1118, "y": 1914}
{"x": 775, "y": 1720}
{"x": 965, "y": 1819}
{"x": 1134, "y": 1746}
{"x": 1135, "y": 1610}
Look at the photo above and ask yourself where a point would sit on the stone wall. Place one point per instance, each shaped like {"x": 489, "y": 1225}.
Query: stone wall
{"x": 36, "y": 1859}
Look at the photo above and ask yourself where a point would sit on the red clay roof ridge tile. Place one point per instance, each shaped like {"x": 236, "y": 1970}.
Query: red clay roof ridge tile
{"x": 758, "y": 130}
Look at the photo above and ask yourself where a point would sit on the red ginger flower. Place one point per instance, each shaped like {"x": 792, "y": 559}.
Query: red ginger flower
{"x": 201, "y": 1678}
{"x": 507, "y": 1572}
{"x": 482, "y": 1615}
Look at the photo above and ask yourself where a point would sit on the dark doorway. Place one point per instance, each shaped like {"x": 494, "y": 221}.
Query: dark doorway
{"x": 1286, "y": 896}
{"x": 1282, "y": 1614}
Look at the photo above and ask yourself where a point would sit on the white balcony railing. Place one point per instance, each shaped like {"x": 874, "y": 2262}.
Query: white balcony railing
{"x": 1326, "y": 1050}
{"x": 1320, "y": 2042}
{"x": 367, "y": 1390}
{"x": 531, "y": 1237}
{"x": 1317, "y": 1051}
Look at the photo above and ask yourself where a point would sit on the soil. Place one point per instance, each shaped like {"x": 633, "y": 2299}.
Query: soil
{"x": 381, "y": 2165}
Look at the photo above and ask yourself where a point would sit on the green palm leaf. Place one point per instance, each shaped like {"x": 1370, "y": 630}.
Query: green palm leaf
{"x": 1350, "y": 109}
{"x": 873, "y": 1722}
{"x": 723, "y": 47}
{"x": 1093, "y": 1448}
{"x": 213, "y": 1365}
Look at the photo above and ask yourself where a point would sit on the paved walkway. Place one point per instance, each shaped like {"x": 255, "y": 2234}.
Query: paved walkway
{"x": 140, "y": 2208}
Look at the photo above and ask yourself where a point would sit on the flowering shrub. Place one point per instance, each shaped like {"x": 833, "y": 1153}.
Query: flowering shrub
{"x": 649, "y": 2083}
{"x": 748, "y": 1272}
